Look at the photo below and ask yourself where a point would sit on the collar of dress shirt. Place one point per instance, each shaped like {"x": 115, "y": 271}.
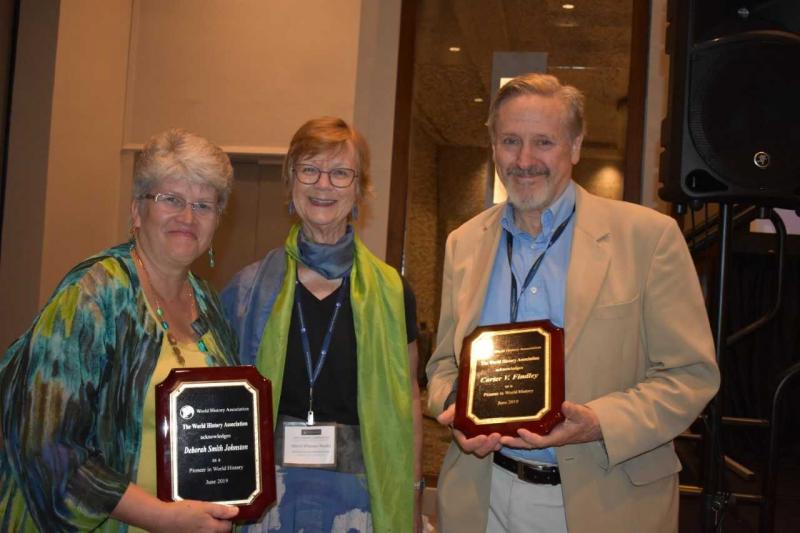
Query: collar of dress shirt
{"x": 551, "y": 217}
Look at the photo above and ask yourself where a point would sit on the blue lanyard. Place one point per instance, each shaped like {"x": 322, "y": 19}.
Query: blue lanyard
{"x": 313, "y": 373}
{"x": 515, "y": 299}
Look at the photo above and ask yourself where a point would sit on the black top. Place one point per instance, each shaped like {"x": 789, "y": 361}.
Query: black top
{"x": 337, "y": 386}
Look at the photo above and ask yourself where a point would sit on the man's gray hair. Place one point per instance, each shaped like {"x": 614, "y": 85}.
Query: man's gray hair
{"x": 541, "y": 85}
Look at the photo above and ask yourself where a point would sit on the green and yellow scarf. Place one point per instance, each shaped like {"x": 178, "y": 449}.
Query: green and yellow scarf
{"x": 384, "y": 386}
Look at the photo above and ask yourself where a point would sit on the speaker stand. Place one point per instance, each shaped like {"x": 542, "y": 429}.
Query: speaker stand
{"x": 715, "y": 501}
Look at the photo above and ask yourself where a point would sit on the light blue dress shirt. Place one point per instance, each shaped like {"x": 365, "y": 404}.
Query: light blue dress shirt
{"x": 544, "y": 297}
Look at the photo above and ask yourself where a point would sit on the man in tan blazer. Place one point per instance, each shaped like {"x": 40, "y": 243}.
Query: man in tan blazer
{"x": 639, "y": 362}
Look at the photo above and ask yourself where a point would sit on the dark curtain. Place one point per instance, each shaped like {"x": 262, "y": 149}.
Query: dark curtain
{"x": 754, "y": 365}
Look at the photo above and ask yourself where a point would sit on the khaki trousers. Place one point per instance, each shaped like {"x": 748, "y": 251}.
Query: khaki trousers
{"x": 516, "y": 506}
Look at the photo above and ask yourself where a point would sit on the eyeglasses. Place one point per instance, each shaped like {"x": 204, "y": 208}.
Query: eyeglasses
{"x": 340, "y": 178}
{"x": 173, "y": 204}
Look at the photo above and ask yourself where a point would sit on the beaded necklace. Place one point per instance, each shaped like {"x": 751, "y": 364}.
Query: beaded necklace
{"x": 173, "y": 342}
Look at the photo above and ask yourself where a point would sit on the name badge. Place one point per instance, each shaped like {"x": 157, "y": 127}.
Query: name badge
{"x": 309, "y": 446}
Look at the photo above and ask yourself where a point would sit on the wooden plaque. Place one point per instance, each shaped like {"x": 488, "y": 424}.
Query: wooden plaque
{"x": 214, "y": 438}
{"x": 511, "y": 376}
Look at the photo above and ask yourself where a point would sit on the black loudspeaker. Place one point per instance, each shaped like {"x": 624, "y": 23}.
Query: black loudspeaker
{"x": 732, "y": 132}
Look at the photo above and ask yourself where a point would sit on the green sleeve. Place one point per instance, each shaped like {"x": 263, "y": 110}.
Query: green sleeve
{"x": 49, "y": 381}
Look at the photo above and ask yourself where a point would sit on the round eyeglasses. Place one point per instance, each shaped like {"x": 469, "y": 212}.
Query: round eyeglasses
{"x": 173, "y": 204}
{"x": 341, "y": 178}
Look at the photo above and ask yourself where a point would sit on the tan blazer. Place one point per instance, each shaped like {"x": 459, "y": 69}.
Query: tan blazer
{"x": 639, "y": 352}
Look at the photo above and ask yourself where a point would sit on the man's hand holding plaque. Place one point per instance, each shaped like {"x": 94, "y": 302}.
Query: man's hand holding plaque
{"x": 214, "y": 438}
{"x": 580, "y": 425}
{"x": 511, "y": 377}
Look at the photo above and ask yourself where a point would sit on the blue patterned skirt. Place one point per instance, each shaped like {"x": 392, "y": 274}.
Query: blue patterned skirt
{"x": 314, "y": 500}
{"x": 317, "y": 500}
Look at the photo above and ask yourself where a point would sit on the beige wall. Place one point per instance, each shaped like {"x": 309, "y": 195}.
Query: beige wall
{"x": 374, "y": 109}
{"x": 249, "y": 73}
{"x": 85, "y": 135}
{"x": 28, "y": 145}
{"x": 66, "y": 131}
{"x": 245, "y": 73}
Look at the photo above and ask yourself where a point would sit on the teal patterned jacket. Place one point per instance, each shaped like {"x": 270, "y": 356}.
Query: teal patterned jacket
{"x": 72, "y": 390}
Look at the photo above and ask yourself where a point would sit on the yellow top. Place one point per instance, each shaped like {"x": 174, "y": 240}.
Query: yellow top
{"x": 146, "y": 473}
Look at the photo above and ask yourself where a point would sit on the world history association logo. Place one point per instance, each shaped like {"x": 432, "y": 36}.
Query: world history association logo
{"x": 187, "y": 412}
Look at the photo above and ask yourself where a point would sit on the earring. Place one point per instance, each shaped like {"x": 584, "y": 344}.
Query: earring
{"x": 354, "y": 213}
{"x": 291, "y": 207}
{"x": 211, "y": 262}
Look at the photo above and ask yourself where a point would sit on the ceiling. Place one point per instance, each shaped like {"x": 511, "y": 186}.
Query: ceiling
{"x": 594, "y": 36}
